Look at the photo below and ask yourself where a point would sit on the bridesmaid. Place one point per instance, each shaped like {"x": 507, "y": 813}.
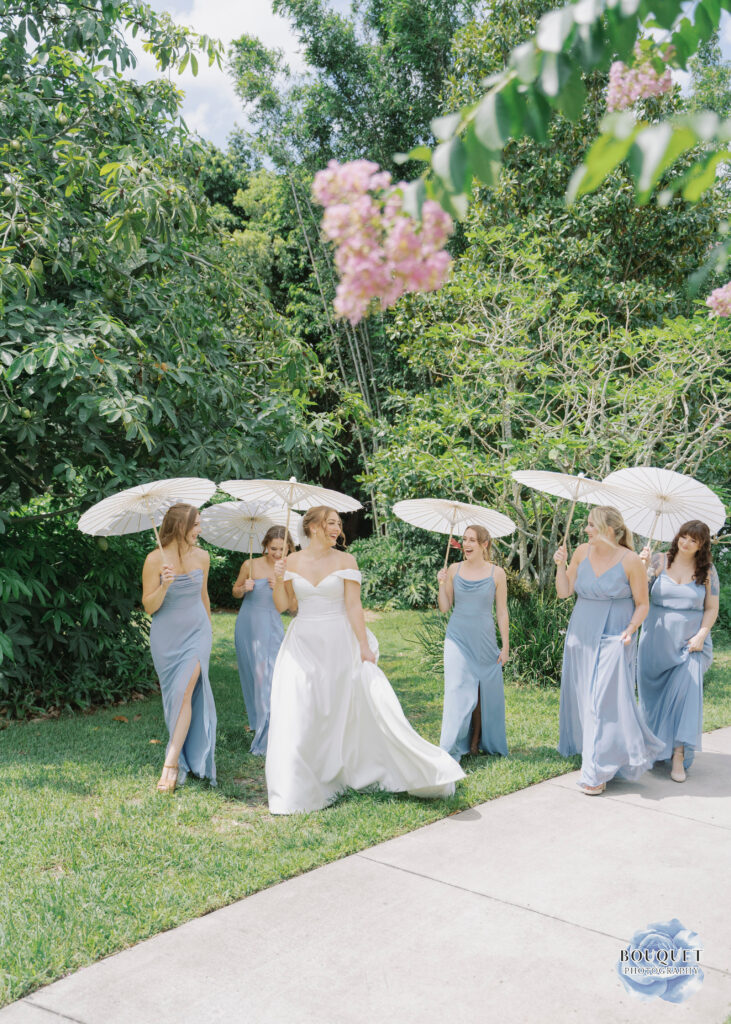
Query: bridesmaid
{"x": 175, "y": 594}
{"x": 675, "y": 647}
{"x": 473, "y": 666}
{"x": 259, "y": 633}
{"x": 598, "y": 714}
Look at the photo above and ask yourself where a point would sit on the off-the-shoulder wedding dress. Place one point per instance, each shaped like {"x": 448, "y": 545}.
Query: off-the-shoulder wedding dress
{"x": 335, "y": 722}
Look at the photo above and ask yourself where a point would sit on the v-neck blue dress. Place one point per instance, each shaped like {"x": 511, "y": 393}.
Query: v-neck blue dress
{"x": 471, "y": 667}
{"x": 599, "y": 717}
{"x": 258, "y": 636}
{"x": 669, "y": 676}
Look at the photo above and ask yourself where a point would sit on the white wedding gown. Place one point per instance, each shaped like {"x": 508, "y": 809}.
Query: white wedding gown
{"x": 335, "y": 722}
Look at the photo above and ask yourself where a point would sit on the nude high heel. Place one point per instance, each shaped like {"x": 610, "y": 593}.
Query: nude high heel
{"x": 677, "y": 771}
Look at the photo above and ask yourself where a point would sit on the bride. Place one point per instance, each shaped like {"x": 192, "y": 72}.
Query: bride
{"x": 335, "y": 721}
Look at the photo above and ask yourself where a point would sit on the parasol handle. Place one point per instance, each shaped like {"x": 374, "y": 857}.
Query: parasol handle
{"x": 251, "y": 554}
{"x": 568, "y": 526}
{"x": 157, "y": 537}
{"x": 286, "y": 532}
{"x": 446, "y": 553}
{"x": 657, "y": 516}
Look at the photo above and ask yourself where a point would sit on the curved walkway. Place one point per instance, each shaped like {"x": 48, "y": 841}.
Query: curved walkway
{"x": 514, "y": 912}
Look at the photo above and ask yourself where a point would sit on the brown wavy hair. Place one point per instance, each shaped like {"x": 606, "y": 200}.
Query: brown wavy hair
{"x": 277, "y": 533}
{"x": 178, "y": 522}
{"x": 483, "y": 536}
{"x": 700, "y": 533}
{"x": 317, "y": 516}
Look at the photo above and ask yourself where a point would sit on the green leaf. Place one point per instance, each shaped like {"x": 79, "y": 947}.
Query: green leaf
{"x": 449, "y": 161}
{"x": 194, "y": 63}
{"x": 554, "y": 29}
{"x": 445, "y": 127}
{"x": 573, "y": 97}
{"x": 622, "y": 34}
{"x": 526, "y": 61}
{"x": 702, "y": 176}
{"x": 483, "y": 162}
{"x": 556, "y": 70}
{"x": 655, "y": 149}
{"x": 414, "y": 195}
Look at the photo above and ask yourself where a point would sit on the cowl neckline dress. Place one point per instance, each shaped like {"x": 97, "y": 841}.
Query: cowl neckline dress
{"x": 669, "y": 676}
{"x": 599, "y": 717}
{"x": 180, "y": 636}
{"x": 335, "y": 721}
{"x": 258, "y": 636}
{"x": 471, "y": 667}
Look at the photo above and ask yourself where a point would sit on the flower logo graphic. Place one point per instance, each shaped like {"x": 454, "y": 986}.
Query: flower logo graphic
{"x": 662, "y": 960}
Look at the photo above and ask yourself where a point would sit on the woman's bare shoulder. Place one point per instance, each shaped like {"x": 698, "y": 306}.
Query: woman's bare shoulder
{"x": 154, "y": 559}
{"x": 346, "y": 560}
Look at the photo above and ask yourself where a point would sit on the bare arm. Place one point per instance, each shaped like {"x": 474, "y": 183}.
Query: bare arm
{"x": 245, "y": 579}
{"x": 156, "y": 578}
{"x": 566, "y": 577}
{"x": 283, "y": 592}
{"x": 637, "y": 576}
{"x": 445, "y": 598}
{"x": 356, "y": 618}
{"x": 501, "y": 611}
{"x": 710, "y": 611}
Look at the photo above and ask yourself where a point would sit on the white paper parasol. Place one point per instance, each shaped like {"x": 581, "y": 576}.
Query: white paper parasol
{"x": 565, "y": 485}
{"x": 656, "y": 502}
{"x": 443, "y": 515}
{"x": 290, "y": 493}
{"x": 240, "y": 525}
{"x": 143, "y": 507}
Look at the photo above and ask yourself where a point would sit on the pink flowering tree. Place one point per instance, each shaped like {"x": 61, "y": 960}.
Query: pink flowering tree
{"x": 380, "y": 251}
{"x": 638, "y": 43}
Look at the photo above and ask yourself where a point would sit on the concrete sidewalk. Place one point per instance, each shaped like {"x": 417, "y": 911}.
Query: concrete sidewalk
{"x": 513, "y": 912}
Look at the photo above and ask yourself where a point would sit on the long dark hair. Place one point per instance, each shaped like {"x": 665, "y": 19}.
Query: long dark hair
{"x": 700, "y": 533}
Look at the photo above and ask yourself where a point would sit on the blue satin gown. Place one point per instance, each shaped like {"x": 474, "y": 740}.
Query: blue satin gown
{"x": 669, "y": 677}
{"x": 471, "y": 667}
{"x": 180, "y": 636}
{"x": 258, "y": 636}
{"x": 599, "y": 717}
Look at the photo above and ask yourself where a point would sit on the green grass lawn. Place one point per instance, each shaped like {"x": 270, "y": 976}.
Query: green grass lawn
{"x": 92, "y": 859}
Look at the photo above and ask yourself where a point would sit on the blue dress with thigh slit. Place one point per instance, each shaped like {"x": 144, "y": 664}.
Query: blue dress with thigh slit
{"x": 180, "y": 637}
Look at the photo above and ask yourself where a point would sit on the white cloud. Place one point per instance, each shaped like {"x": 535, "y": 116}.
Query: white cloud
{"x": 211, "y": 106}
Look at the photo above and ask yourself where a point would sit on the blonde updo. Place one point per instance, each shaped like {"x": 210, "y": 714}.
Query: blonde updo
{"x": 483, "y": 537}
{"x": 608, "y": 519}
{"x": 277, "y": 533}
{"x": 318, "y": 516}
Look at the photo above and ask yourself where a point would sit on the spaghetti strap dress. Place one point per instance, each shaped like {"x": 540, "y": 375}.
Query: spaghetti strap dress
{"x": 471, "y": 667}
{"x": 598, "y": 716}
{"x": 335, "y": 721}
{"x": 669, "y": 676}
{"x": 258, "y": 636}
{"x": 180, "y": 636}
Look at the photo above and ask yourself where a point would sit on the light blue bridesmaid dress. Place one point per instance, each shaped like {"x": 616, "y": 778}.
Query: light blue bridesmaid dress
{"x": 669, "y": 676}
{"x": 180, "y": 636}
{"x": 598, "y": 715}
{"x": 258, "y": 635}
{"x": 471, "y": 666}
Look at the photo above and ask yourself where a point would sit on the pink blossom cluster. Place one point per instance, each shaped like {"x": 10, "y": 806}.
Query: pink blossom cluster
{"x": 641, "y": 80}
{"x": 720, "y": 300}
{"x": 380, "y": 251}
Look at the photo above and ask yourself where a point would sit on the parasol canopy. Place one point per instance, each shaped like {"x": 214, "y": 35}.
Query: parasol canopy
{"x": 143, "y": 507}
{"x": 565, "y": 485}
{"x": 442, "y": 515}
{"x": 240, "y": 525}
{"x": 656, "y": 502}
{"x": 290, "y": 493}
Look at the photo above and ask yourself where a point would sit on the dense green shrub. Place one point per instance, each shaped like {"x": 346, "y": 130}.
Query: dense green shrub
{"x": 399, "y": 573}
{"x": 224, "y": 569}
{"x": 72, "y": 632}
{"x": 537, "y": 630}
